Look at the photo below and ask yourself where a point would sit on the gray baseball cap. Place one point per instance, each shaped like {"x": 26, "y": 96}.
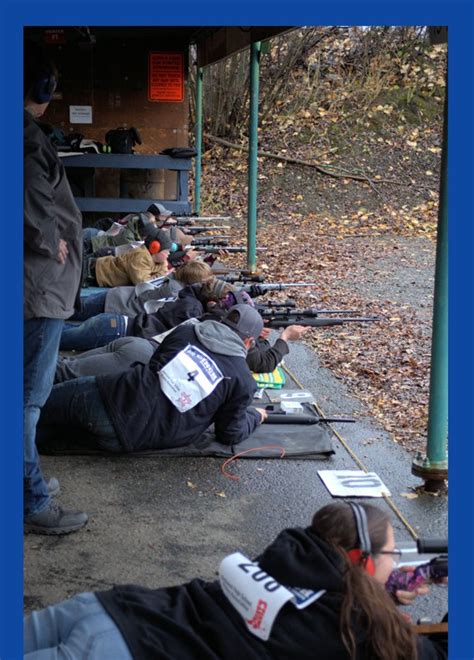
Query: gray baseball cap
{"x": 159, "y": 209}
{"x": 245, "y": 320}
{"x": 160, "y": 235}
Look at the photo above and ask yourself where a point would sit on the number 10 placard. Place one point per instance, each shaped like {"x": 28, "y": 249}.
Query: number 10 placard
{"x": 353, "y": 483}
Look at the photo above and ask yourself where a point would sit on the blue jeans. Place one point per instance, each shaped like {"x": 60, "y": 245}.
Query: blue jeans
{"x": 78, "y": 628}
{"x": 41, "y": 342}
{"x": 76, "y": 407}
{"x": 94, "y": 332}
{"x": 90, "y": 306}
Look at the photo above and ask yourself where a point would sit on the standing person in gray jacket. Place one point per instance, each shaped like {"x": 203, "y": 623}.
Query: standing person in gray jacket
{"x": 52, "y": 275}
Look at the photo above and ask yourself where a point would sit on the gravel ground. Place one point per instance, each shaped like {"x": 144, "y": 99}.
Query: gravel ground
{"x": 401, "y": 270}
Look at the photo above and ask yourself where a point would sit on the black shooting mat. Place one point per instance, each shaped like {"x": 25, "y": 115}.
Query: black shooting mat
{"x": 298, "y": 440}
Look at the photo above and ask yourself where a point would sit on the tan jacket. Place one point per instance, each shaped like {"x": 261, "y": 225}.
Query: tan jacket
{"x": 131, "y": 267}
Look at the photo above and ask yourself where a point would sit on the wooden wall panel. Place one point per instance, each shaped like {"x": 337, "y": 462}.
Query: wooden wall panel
{"x": 112, "y": 77}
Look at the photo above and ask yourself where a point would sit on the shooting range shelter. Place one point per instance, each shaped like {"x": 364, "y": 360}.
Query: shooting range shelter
{"x": 138, "y": 76}
{"x": 114, "y": 77}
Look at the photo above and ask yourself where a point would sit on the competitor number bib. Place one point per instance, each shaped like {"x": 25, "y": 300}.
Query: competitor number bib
{"x": 256, "y": 596}
{"x": 189, "y": 378}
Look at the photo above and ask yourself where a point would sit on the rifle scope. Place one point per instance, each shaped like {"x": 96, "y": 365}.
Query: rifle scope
{"x": 432, "y": 546}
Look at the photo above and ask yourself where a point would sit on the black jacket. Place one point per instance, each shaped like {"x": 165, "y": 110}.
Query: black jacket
{"x": 144, "y": 418}
{"x": 263, "y": 358}
{"x": 186, "y": 306}
{"x": 196, "y": 622}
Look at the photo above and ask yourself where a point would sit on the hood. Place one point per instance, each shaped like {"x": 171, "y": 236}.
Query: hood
{"x": 299, "y": 558}
{"x": 220, "y": 339}
{"x": 188, "y": 292}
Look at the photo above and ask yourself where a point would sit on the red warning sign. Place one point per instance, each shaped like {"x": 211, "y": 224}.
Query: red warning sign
{"x": 56, "y": 36}
{"x": 166, "y": 77}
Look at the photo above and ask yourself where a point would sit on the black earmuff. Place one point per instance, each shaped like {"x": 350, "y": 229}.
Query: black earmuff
{"x": 363, "y": 553}
{"x": 44, "y": 87}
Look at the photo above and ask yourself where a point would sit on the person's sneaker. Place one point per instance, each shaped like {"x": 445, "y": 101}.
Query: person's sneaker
{"x": 55, "y": 520}
{"x": 53, "y": 487}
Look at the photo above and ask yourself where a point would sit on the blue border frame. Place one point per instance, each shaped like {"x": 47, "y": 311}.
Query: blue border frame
{"x": 458, "y": 16}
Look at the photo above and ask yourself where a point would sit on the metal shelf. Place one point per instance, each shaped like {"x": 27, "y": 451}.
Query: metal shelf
{"x": 131, "y": 161}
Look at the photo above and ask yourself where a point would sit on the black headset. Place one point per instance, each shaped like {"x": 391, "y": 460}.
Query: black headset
{"x": 239, "y": 298}
{"x": 362, "y": 554}
{"x": 43, "y": 89}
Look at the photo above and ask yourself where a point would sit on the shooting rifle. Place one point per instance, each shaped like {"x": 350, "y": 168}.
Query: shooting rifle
{"x": 218, "y": 239}
{"x": 234, "y": 279}
{"x": 199, "y": 230}
{"x": 215, "y": 249}
{"x": 434, "y": 570}
{"x": 288, "y": 307}
{"x": 209, "y": 218}
{"x": 275, "y": 318}
{"x": 230, "y": 271}
{"x": 261, "y": 289}
{"x": 276, "y": 416}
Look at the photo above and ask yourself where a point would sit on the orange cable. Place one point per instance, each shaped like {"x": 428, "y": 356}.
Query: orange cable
{"x": 241, "y": 453}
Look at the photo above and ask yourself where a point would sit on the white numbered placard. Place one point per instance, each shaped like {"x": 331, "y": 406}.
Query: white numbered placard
{"x": 256, "y": 595}
{"x": 353, "y": 483}
{"x": 299, "y": 396}
{"x": 189, "y": 378}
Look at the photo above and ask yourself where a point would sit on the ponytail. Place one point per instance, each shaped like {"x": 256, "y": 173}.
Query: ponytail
{"x": 366, "y": 604}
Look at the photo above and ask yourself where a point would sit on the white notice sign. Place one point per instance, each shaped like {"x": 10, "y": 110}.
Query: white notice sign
{"x": 353, "y": 483}
{"x": 80, "y": 114}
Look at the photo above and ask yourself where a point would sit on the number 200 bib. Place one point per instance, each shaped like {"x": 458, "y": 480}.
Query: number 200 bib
{"x": 256, "y": 595}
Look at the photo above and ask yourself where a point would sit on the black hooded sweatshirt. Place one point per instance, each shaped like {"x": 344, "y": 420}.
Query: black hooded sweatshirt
{"x": 186, "y": 306}
{"x": 195, "y": 621}
{"x": 144, "y": 418}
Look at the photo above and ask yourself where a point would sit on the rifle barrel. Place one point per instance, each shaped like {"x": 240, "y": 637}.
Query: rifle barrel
{"x": 281, "y": 287}
{"x": 285, "y": 418}
{"x": 192, "y": 229}
{"x": 214, "y": 249}
{"x": 264, "y": 311}
{"x": 283, "y": 321}
{"x": 202, "y": 218}
{"x": 432, "y": 546}
{"x": 243, "y": 278}
{"x": 218, "y": 241}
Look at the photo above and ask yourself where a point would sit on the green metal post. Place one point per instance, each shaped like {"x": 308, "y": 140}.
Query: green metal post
{"x": 252, "y": 162}
{"x": 198, "y": 138}
{"x": 434, "y": 466}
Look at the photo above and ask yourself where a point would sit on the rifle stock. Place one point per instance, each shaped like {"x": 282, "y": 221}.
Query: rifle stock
{"x": 431, "y": 628}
